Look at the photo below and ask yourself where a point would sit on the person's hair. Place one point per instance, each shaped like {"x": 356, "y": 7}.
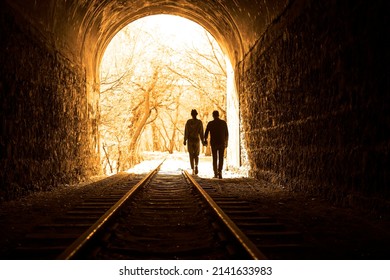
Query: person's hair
{"x": 194, "y": 112}
{"x": 215, "y": 113}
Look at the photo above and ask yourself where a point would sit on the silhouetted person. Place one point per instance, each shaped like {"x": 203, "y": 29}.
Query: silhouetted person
{"x": 219, "y": 137}
{"x": 193, "y": 134}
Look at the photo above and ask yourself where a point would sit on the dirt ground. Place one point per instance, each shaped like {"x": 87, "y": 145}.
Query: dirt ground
{"x": 344, "y": 233}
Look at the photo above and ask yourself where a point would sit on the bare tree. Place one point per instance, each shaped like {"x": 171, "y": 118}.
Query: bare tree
{"x": 150, "y": 89}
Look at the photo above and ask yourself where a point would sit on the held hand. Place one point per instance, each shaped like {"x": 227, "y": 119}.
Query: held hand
{"x": 185, "y": 142}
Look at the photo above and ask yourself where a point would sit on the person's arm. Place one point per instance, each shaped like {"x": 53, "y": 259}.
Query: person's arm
{"x": 206, "y": 134}
{"x": 185, "y": 134}
{"x": 201, "y": 134}
{"x": 226, "y": 135}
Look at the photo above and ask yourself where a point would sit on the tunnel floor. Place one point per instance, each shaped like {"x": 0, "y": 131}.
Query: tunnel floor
{"x": 343, "y": 233}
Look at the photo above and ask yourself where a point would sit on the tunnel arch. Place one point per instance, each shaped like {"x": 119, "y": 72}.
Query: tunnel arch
{"x": 228, "y": 36}
{"x": 310, "y": 77}
{"x": 105, "y": 21}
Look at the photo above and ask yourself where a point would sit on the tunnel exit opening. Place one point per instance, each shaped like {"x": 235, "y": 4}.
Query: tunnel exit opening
{"x": 153, "y": 72}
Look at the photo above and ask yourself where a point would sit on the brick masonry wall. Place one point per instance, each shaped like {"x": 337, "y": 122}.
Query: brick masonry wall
{"x": 314, "y": 97}
{"x": 45, "y": 130}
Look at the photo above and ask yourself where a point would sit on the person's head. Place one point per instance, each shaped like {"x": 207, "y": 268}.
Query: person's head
{"x": 194, "y": 113}
{"x": 215, "y": 114}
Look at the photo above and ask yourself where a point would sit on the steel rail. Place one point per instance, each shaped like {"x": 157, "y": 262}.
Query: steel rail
{"x": 242, "y": 239}
{"x": 88, "y": 235}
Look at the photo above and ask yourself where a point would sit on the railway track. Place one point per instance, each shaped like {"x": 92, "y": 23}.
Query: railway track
{"x": 48, "y": 240}
{"x": 167, "y": 215}
{"x": 272, "y": 238}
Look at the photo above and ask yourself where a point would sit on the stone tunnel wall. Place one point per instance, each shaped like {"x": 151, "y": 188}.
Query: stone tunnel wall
{"x": 315, "y": 101}
{"x": 44, "y": 137}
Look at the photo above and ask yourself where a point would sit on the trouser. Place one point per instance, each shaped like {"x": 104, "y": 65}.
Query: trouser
{"x": 218, "y": 152}
{"x": 193, "y": 151}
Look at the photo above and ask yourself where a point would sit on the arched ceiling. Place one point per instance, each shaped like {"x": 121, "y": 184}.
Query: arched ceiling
{"x": 215, "y": 19}
{"x": 84, "y": 27}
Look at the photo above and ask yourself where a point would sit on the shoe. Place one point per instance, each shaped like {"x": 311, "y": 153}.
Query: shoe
{"x": 215, "y": 175}
{"x": 196, "y": 170}
{"x": 220, "y": 175}
{"x": 193, "y": 172}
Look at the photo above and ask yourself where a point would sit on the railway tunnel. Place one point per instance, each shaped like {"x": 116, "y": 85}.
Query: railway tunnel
{"x": 311, "y": 79}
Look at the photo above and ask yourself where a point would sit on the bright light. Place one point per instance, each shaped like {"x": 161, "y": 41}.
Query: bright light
{"x": 175, "y": 163}
{"x": 178, "y": 31}
{"x": 154, "y": 71}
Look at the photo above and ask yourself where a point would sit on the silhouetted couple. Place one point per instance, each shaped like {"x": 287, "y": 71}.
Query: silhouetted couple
{"x": 219, "y": 136}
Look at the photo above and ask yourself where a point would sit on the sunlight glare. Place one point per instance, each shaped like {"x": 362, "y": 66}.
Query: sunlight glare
{"x": 177, "y": 30}
{"x": 177, "y": 162}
